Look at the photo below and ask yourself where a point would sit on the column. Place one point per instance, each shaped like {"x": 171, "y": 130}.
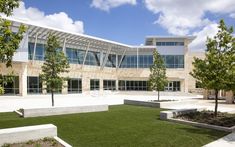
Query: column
{"x": 205, "y": 94}
{"x": 229, "y": 97}
{"x": 101, "y": 85}
{"x": 117, "y": 88}
{"x": 23, "y": 80}
{"x": 65, "y": 87}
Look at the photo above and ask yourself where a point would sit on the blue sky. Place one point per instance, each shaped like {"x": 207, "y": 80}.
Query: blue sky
{"x": 129, "y": 21}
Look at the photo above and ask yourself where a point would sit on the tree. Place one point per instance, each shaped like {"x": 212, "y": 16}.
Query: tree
{"x": 213, "y": 71}
{"x": 55, "y": 64}
{"x": 9, "y": 40}
{"x": 157, "y": 78}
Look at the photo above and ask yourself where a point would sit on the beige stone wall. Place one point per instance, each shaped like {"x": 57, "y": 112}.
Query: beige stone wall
{"x": 33, "y": 68}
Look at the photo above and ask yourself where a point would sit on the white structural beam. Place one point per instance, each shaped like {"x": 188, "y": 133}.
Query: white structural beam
{"x": 106, "y": 57}
{"x": 87, "y": 49}
{"x": 35, "y": 45}
{"x": 64, "y": 45}
{"x": 123, "y": 54}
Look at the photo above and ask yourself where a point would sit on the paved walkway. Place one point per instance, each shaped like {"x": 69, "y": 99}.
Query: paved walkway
{"x": 226, "y": 141}
{"x": 11, "y": 103}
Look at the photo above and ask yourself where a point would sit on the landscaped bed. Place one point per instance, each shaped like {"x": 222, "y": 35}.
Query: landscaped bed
{"x": 223, "y": 119}
{"x": 45, "y": 142}
{"x": 122, "y": 125}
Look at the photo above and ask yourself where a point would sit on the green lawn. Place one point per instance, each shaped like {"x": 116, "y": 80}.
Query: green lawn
{"x": 121, "y": 126}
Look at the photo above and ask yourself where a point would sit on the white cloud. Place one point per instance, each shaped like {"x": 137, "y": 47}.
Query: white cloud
{"x": 180, "y": 17}
{"x": 232, "y": 15}
{"x": 57, "y": 20}
{"x": 199, "y": 44}
{"x": 106, "y": 5}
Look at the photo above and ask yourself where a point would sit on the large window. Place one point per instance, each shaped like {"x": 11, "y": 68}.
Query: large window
{"x": 34, "y": 85}
{"x": 75, "y": 56}
{"x": 94, "y": 84}
{"x": 93, "y": 58}
{"x": 109, "y": 85}
{"x": 133, "y": 85}
{"x": 145, "y": 61}
{"x": 170, "y": 43}
{"x": 173, "y": 61}
{"x": 173, "y": 86}
{"x": 111, "y": 60}
{"x": 39, "y": 53}
{"x": 11, "y": 87}
{"x": 128, "y": 61}
{"x": 74, "y": 86}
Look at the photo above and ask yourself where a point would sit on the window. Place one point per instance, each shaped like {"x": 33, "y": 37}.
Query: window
{"x": 34, "y": 85}
{"x": 145, "y": 61}
{"x": 74, "y": 86}
{"x": 111, "y": 60}
{"x": 173, "y": 86}
{"x": 11, "y": 87}
{"x": 75, "y": 56}
{"x": 109, "y": 85}
{"x": 169, "y": 43}
{"x": 93, "y": 58}
{"x": 94, "y": 84}
{"x": 128, "y": 61}
{"x": 133, "y": 85}
{"x": 39, "y": 53}
{"x": 173, "y": 61}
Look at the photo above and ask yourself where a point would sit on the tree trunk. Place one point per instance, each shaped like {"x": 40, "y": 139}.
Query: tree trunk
{"x": 158, "y": 95}
{"x": 216, "y": 102}
{"x": 52, "y": 98}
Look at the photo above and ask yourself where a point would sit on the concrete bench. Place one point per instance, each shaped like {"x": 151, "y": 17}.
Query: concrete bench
{"x": 35, "y": 112}
{"x": 173, "y": 113}
{"x": 142, "y": 103}
{"x": 23, "y": 134}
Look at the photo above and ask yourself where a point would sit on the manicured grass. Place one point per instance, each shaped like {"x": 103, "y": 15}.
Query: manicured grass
{"x": 123, "y": 125}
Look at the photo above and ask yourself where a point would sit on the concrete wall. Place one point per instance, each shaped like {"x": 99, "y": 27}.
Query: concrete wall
{"x": 22, "y": 134}
{"x": 35, "y": 112}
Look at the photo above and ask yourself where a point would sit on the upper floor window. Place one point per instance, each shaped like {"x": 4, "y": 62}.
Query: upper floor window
{"x": 169, "y": 43}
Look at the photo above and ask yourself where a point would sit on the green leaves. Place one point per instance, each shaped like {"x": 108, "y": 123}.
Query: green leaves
{"x": 55, "y": 65}
{"x": 7, "y": 6}
{"x": 157, "y": 78}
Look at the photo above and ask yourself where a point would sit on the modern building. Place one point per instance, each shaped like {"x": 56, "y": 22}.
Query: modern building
{"x": 99, "y": 64}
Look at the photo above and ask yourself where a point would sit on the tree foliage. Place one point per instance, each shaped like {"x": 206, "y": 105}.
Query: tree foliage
{"x": 216, "y": 70}
{"x": 55, "y": 64}
{"x": 157, "y": 78}
{"x": 9, "y": 40}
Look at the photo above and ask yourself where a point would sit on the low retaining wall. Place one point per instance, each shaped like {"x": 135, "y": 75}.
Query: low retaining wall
{"x": 22, "y": 134}
{"x": 35, "y": 112}
{"x": 169, "y": 115}
{"x": 142, "y": 103}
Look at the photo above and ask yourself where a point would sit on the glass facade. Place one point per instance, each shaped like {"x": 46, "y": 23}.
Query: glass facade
{"x": 111, "y": 60}
{"x": 133, "y": 85}
{"x": 169, "y": 43}
{"x": 34, "y": 85}
{"x": 75, "y": 56}
{"x": 39, "y": 53}
{"x": 109, "y": 85}
{"x": 173, "y": 86}
{"x": 11, "y": 87}
{"x": 94, "y": 84}
{"x": 145, "y": 61}
{"x": 92, "y": 58}
{"x": 173, "y": 61}
{"x": 128, "y": 61}
{"x": 74, "y": 85}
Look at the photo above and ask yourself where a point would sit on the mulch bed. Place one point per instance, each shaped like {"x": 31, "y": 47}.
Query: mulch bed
{"x": 222, "y": 119}
{"x": 46, "y": 142}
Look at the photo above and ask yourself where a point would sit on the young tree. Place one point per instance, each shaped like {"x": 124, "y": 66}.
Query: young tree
{"x": 55, "y": 64}
{"x": 157, "y": 78}
{"x": 212, "y": 72}
{"x": 9, "y": 40}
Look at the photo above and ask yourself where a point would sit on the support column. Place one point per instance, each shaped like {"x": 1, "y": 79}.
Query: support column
{"x": 205, "y": 94}
{"x": 117, "y": 85}
{"x": 44, "y": 89}
{"x": 65, "y": 88}
{"x": 101, "y": 85}
{"x": 85, "y": 84}
{"x": 229, "y": 97}
{"x": 23, "y": 80}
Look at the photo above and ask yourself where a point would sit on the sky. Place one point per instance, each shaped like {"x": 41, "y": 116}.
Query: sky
{"x": 129, "y": 21}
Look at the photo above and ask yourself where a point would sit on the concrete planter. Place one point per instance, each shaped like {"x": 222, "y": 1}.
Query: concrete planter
{"x": 169, "y": 115}
{"x": 35, "y": 112}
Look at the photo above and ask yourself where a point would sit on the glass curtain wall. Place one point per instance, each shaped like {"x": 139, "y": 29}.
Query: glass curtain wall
{"x": 111, "y": 60}
{"x": 94, "y": 84}
{"x": 34, "y": 85}
{"x": 74, "y": 85}
{"x": 133, "y": 85}
{"x": 11, "y": 87}
{"x": 109, "y": 85}
{"x": 128, "y": 61}
{"x": 75, "y": 56}
{"x": 39, "y": 53}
